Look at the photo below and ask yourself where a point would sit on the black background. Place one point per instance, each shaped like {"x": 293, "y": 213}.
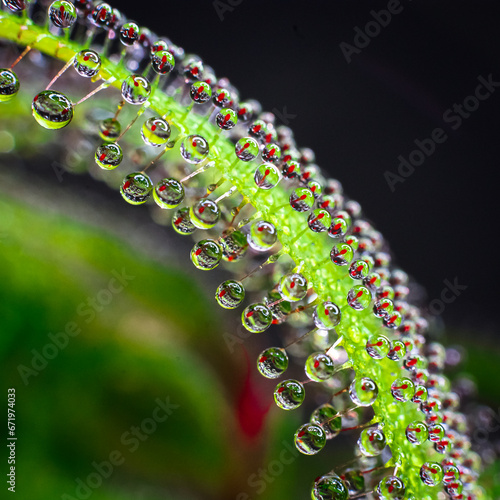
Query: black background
{"x": 360, "y": 116}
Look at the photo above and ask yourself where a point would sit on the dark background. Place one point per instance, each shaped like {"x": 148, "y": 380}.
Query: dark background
{"x": 360, "y": 116}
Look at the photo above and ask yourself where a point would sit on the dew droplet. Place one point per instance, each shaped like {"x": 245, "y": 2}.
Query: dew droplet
{"x": 9, "y": 85}
{"x": 262, "y": 236}
{"x": 230, "y": 294}
{"x": 108, "y": 156}
{"x": 194, "y": 149}
{"x": 310, "y": 439}
{"x": 271, "y": 153}
{"x": 378, "y": 346}
{"x": 136, "y": 89}
{"x": 291, "y": 169}
{"x": 155, "y": 132}
{"x": 168, "y": 193}
{"x": 272, "y": 362}
{"x": 436, "y": 433}
{"x": 52, "y": 110}
{"x": 200, "y": 92}
{"x": 338, "y": 228}
{"x": 87, "y": 63}
{"x": 15, "y": 5}
{"x": 359, "y": 270}
{"x": 420, "y": 395}
{"x": 341, "y": 254}
{"x": 136, "y": 188}
{"x": 222, "y": 98}
{"x": 102, "y": 15}
{"x": 397, "y": 351}
{"x": 319, "y": 220}
{"x": 289, "y": 394}
{"x": 256, "y": 318}
{"x": 246, "y": 149}
{"x": 62, "y": 14}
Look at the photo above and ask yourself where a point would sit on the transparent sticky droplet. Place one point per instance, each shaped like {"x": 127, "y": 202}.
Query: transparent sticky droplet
{"x": 181, "y": 222}
{"x": 200, "y": 92}
{"x": 267, "y": 176}
{"x": 327, "y": 315}
{"x": 359, "y": 270}
{"x": 417, "y": 432}
{"x": 262, "y": 236}
{"x": 431, "y": 473}
{"x": 52, "y": 110}
{"x": 168, "y": 193}
{"x": 136, "y": 188}
{"x": 62, "y": 14}
{"x": 205, "y": 213}
{"x": 329, "y": 487}
{"x": 436, "y": 433}
{"x": 108, "y": 156}
{"x": 272, "y": 362}
{"x": 246, "y": 149}
{"x": 163, "y": 62}
{"x": 293, "y": 287}
{"x": 403, "y": 389}
{"x": 378, "y": 346}
{"x": 271, "y": 153}
{"x": 354, "y": 480}
{"x": 109, "y": 129}
{"x": 420, "y": 395}
{"x": 129, "y": 34}
{"x": 319, "y": 221}
{"x": 319, "y": 367}
{"x": 371, "y": 442}
{"x": 222, "y": 98}
{"x": 9, "y": 85}
{"x": 397, "y": 351}
{"x": 327, "y": 416}
{"x": 256, "y": 318}
{"x": 155, "y": 132}
{"x": 136, "y": 89}
{"x": 359, "y": 297}
{"x": 310, "y": 439}
{"x": 338, "y": 228}
{"x": 280, "y": 309}
{"x": 226, "y": 119}
{"x": 87, "y": 63}
{"x": 289, "y": 394}
{"x": 454, "y": 489}
{"x": 451, "y": 473}
{"x": 206, "y": 255}
{"x": 383, "y": 308}
{"x": 363, "y": 391}
{"x": 315, "y": 187}
{"x": 234, "y": 246}
{"x": 391, "y": 488}
{"x": 341, "y": 254}
{"x": 192, "y": 69}
{"x": 302, "y": 199}
{"x": 102, "y": 15}
{"x": 15, "y": 5}
{"x": 230, "y": 294}
{"x": 194, "y": 149}
{"x": 291, "y": 169}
